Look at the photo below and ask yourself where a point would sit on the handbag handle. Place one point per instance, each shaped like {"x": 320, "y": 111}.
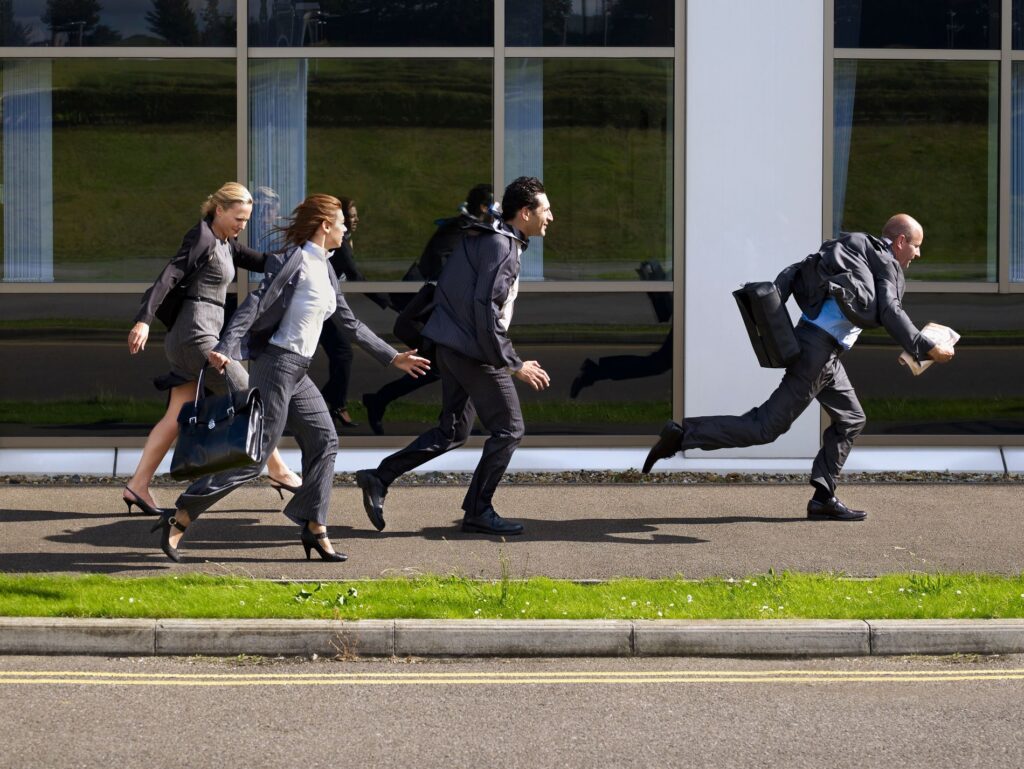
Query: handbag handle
{"x": 199, "y": 389}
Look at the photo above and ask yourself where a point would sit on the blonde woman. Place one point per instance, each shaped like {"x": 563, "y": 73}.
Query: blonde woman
{"x": 189, "y": 296}
{"x": 277, "y": 327}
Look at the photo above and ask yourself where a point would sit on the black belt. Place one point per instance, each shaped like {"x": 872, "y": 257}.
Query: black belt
{"x": 821, "y": 333}
{"x": 203, "y": 299}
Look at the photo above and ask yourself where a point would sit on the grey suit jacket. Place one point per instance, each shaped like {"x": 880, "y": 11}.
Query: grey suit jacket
{"x": 861, "y": 274}
{"x": 256, "y": 320}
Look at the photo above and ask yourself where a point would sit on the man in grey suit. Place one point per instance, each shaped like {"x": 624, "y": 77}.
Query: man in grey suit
{"x": 475, "y": 358}
{"x": 851, "y": 283}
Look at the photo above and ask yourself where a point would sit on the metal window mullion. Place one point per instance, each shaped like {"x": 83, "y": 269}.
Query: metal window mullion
{"x": 242, "y": 121}
{"x": 678, "y": 210}
{"x": 1005, "y": 147}
{"x": 469, "y": 52}
{"x": 498, "y": 102}
{"x": 828, "y": 118}
{"x": 590, "y": 52}
{"x": 109, "y": 52}
{"x": 915, "y": 54}
{"x": 529, "y": 287}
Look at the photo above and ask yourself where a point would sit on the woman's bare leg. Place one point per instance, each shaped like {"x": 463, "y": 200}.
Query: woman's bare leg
{"x": 160, "y": 439}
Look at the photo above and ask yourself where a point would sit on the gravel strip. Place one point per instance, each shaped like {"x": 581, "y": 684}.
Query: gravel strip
{"x": 581, "y": 477}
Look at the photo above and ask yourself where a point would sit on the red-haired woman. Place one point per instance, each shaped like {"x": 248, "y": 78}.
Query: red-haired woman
{"x": 277, "y": 327}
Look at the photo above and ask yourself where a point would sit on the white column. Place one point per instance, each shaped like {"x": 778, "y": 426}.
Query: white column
{"x": 28, "y": 171}
{"x": 754, "y": 117}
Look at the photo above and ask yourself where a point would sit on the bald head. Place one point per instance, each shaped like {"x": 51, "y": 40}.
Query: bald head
{"x": 902, "y": 224}
{"x": 906, "y": 235}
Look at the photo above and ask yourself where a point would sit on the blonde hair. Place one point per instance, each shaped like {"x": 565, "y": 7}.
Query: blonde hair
{"x": 230, "y": 194}
{"x": 307, "y": 217}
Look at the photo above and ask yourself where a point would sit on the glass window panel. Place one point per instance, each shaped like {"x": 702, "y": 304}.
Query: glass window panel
{"x": 916, "y": 24}
{"x": 105, "y": 162}
{"x": 1017, "y": 29}
{"x": 79, "y": 379}
{"x": 590, "y": 22}
{"x": 628, "y": 385}
{"x": 117, "y": 22}
{"x": 977, "y": 393}
{"x": 599, "y": 134}
{"x": 371, "y": 23}
{"x": 406, "y": 139}
{"x": 1017, "y": 174}
{"x": 921, "y": 137}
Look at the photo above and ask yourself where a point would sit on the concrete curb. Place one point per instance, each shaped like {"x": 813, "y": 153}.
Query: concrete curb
{"x": 510, "y": 638}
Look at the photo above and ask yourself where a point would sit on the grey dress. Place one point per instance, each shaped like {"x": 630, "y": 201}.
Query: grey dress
{"x": 197, "y": 328}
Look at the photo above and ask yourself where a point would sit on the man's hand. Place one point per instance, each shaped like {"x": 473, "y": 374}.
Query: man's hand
{"x": 137, "y": 337}
{"x": 533, "y": 375}
{"x": 218, "y": 361}
{"x": 940, "y": 353}
{"x": 411, "y": 363}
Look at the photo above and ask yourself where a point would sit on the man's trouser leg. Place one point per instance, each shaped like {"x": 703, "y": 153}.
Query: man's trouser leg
{"x": 800, "y": 385}
{"x": 339, "y": 364}
{"x": 494, "y": 396}
{"x": 457, "y": 414}
{"x": 840, "y": 402}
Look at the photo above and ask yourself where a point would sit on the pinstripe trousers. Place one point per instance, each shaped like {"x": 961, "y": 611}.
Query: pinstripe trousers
{"x": 290, "y": 399}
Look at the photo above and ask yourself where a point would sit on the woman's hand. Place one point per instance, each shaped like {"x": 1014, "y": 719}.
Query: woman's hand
{"x": 218, "y": 361}
{"x": 411, "y": 363}
{"x": 137, "y": 337}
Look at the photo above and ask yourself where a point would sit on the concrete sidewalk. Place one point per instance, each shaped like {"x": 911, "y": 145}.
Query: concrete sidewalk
{"x": 572, "y": 532}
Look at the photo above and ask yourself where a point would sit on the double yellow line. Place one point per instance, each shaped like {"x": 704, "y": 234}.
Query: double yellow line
{"x": 90, "y": 678}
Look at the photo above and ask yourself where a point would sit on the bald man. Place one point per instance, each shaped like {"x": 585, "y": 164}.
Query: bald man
{"x": 851, "y": 283}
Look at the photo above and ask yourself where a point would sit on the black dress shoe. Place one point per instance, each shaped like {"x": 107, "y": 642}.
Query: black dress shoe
{"x": 374, "y": 412}
{"x": 586, "y": 377}
{"x": 833, "y": 510}
{"x": 668, "y": 443}
{"x": 489, "y": 522}
{"x": 373, "y": 496}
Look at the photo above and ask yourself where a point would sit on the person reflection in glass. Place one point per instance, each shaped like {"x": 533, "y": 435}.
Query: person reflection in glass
{"x": 414, "y": 309}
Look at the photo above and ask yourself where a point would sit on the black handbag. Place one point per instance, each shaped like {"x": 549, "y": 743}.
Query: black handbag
{"x": 768, "y": 324}
{"x": 217, "y": 433}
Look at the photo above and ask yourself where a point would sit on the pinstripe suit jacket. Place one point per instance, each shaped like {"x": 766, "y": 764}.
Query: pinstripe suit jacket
{"x": 259, "y": 316}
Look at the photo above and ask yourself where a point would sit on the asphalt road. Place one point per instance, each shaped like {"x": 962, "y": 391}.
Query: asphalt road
{"x": 857, "y": 713}
{"x": 572, "y": 531}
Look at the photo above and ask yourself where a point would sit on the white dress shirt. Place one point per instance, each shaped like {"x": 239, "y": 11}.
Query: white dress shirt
{"x": 312, "y": 303}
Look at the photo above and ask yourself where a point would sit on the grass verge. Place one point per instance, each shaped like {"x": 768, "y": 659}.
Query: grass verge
{"x": 774, "y": 596}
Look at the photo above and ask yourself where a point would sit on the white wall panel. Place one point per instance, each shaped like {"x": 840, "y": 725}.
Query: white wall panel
{"x": 753, "y": 190}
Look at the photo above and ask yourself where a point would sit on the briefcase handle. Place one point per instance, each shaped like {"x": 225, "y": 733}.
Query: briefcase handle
{"x": 199, "y": 390}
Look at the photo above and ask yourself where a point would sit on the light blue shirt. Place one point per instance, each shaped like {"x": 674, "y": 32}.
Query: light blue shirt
{"x": 832, "y": 320}
{"x": 312, "y": 303}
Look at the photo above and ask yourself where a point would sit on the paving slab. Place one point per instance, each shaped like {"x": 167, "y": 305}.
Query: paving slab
{"x": 572, "y": 532}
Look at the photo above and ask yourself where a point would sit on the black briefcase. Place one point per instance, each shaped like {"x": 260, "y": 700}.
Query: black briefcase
{"x": 217, "y": 433}
{"x": 768, "y": 324}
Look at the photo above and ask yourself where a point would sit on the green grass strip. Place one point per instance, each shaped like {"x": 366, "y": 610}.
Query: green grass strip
{"x": 787, "y": 595}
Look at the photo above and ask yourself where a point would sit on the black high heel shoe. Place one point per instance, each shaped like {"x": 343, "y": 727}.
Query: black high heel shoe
{"x": 144, "y": 506}
{"x": 278, "y": 486}
{"x": 310, "y": 541}
{"x": 341, "y": 417}
{"x": 166, "y": 522}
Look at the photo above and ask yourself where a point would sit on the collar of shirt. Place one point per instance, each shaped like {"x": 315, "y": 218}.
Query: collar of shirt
{"x": 314, "y": 250}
